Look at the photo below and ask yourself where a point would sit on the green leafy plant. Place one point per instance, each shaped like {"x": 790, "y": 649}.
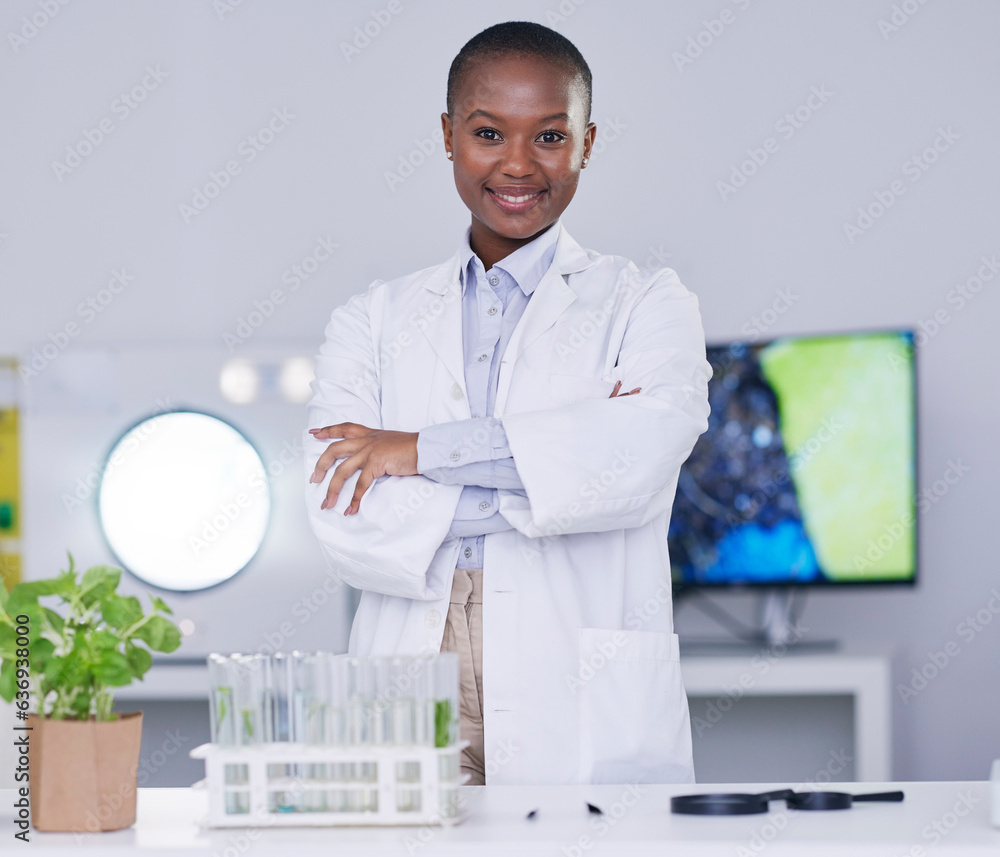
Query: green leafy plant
{"x": 101, "y": 640}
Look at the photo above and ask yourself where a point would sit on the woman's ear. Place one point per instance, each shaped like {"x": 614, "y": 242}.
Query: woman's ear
{"x": 446, "y": 128}
{"x": 588, "y": 141}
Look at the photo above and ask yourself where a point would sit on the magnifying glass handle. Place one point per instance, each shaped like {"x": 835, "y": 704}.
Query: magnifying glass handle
{"x": 886, "y": 796}
{"x": 782, "y": 794}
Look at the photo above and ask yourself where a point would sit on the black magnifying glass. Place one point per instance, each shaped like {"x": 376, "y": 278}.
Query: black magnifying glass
{"x": 748, "y": 804}
{"x": 836, "y": 800}
{"x": 734, "y": 803}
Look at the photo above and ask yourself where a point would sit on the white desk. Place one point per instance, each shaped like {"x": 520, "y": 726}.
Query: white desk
{"x": 637, "y": 821}
{"x": 864, "y": 677}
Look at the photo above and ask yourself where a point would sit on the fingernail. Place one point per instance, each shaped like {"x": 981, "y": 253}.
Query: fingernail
{"x": 323, "y": 504}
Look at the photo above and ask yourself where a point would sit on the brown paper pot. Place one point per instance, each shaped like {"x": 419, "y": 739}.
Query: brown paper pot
{"x": 83, "y": 772}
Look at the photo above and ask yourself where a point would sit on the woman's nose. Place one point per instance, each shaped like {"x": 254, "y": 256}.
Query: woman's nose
{"x": 516, "y": 159}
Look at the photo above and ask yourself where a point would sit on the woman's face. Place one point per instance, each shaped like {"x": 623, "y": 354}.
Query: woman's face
{"x": 519, "y": 138}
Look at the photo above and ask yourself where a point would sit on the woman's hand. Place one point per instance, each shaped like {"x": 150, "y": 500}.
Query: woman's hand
{"x": 374, "y": 452}
{"x": 615, "y": 392}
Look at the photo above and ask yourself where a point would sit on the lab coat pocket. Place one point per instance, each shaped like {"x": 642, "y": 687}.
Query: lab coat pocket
{"x": 634, "y": 722}
{"x": 565, "y": 389}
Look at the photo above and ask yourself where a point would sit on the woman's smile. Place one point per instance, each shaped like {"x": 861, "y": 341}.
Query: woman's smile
{"x": 514, "y": 199}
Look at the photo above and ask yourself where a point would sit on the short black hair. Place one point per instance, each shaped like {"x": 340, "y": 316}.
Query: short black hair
{"x": 520, "y": 38}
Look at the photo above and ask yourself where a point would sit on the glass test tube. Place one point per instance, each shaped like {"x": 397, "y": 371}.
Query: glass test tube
{"x": 446, "y": 727}
{"x": 278, "y": 727}
{"x": 358, "y": 686}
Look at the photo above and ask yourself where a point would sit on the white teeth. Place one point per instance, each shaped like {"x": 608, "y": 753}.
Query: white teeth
{"x": 516, "y": 198}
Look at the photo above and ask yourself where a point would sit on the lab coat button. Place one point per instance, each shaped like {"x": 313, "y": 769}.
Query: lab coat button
{"x": 454, "y": 456}
{"x": 432, "y": 618}
{"x": 492, "y": 310}
{"x": 484, "y": 505}
{"x": 482, "y": 357}
{"x": 456, "y": 391}
{"x": 494, "y": 281}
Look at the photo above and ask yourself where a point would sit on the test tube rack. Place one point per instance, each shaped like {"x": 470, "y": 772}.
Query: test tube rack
{"x": 251, "y": 795}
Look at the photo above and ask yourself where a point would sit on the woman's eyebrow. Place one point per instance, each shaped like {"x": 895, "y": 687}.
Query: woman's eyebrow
{"x": 493, "y": 118}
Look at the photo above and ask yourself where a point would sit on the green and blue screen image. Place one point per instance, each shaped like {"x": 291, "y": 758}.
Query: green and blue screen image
{"x": 807, "y": 471}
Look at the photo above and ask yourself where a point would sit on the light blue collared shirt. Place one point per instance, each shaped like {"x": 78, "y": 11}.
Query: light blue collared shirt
{"x": 492, "y": 303}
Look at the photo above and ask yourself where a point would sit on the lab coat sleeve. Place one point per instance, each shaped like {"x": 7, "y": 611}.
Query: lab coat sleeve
{"x": 388, "y": 544}
{"x": 600, "y": 464}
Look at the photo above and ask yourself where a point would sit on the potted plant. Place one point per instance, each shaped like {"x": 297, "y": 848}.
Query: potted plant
{"x": 62, "y": 664}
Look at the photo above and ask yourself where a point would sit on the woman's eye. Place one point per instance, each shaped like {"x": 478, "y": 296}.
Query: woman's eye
{"x": 553, "y": 136}
{"x": 485, "y": 132}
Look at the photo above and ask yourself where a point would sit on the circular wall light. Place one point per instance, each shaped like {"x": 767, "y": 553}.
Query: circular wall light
{"x": 184, "y": 501}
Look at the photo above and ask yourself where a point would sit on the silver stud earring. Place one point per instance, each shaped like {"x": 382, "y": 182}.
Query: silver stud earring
{"x": 585, "y": 162}
{"x": 449, "y": 155}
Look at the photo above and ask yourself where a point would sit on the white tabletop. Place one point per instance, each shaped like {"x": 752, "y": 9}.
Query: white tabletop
{"x": 935, "y": 819}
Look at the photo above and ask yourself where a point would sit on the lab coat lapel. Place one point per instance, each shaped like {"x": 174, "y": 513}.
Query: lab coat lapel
{"x": 549, "y": 300}
{"x": 441, "y": 324}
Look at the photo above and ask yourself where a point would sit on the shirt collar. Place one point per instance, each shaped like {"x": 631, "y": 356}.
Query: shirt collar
{"x": 526, "y": 265}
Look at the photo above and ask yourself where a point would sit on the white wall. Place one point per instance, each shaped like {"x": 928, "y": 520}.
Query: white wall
{"x": 653, "y": 190}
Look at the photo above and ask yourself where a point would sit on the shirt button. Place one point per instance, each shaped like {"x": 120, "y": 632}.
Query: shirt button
{"x": 454, "y": 456}
{"x": 482, "y": 357}
{"x": 468, "y": 552}
{"x": 492, "y": 310}
{"x": 432, "y": 618}
{"x": 494, "y": 281}
{"x": 484, "y": 505}
{"x": 456, "y": 391}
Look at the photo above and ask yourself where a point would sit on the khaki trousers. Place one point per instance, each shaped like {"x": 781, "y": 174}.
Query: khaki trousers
{"x": 463, "y": 633}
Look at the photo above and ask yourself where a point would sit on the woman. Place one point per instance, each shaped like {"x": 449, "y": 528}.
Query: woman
{"x": 521, "y": 511}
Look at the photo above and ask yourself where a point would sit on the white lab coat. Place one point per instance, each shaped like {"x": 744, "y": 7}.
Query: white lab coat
{"x": 581, "y": 681}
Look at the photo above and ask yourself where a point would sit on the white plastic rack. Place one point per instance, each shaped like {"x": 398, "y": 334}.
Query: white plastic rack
{"x": 289, "y": 784}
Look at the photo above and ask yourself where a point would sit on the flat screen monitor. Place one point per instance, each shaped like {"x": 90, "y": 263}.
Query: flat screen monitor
{"x": 807, "y": 472}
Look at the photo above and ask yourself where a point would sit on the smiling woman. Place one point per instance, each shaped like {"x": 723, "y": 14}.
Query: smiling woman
{"x": 499, "y": 496}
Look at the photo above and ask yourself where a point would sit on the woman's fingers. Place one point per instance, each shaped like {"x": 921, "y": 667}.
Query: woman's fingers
{"x": 615, "y": 393}
{"x": 333, "y": 453}
{"x": 340, "y": 476}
